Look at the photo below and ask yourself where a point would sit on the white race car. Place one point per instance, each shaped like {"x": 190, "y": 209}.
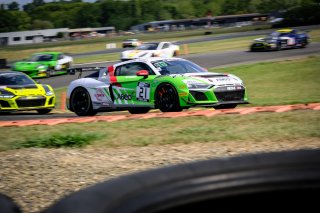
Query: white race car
{"x": 151, "y": 49}
{"x": 169, "y": 84}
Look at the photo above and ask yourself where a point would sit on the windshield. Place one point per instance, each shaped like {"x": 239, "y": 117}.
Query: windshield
{"x": 277, "y": 34}
{"x": 14, "y": 79}
{"x": 168, "y": 67}
{"x": 148, "y": 46}
{"x": 42, "y": 57}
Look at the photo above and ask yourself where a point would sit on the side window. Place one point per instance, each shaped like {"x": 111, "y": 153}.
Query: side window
{"x": 131, "y": 69}
{"x": 166, "y": 45}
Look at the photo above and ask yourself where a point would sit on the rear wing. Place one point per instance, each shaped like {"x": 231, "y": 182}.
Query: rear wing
{"x": 79, "y": 70}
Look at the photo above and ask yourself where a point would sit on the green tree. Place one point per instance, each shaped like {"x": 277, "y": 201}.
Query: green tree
{"x": 13, "y": 6}
{"x": 11, "y": 21}
{"x": 87, "y": 16}
{"x": 41, "y": 25}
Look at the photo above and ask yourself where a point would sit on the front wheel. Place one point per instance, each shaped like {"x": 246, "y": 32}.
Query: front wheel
{"x": 43, "y": 111}
{"x": 139, "y": 110}
{"x": 304, "y": 43}
{"x": 167, "y": 99}
{"x": 225, "y": 106}
{"x": 81, "y": 102}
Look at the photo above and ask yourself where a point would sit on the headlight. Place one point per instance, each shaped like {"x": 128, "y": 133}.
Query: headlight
{"x": 198, "y": 86}
{"x": 41, "y": 67}
{"x": 6, "y": 94}
{"x": 48, "y": 91}
{"x": 193, "y": 84}
{"x": 236, "y": 78}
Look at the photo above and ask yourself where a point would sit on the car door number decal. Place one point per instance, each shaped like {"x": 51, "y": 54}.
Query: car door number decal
{"x": 143, "y": 92}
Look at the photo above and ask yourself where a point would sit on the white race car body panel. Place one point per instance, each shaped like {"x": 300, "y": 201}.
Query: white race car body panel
{"x": 163, "y": 49}
{"x": 61, "y": 63}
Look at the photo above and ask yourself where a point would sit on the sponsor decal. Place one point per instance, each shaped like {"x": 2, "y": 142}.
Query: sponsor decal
{"x": 223, "y": 79}
{"x": 99, "y": 94}
{"x": 143, "y": 92}
{"x": 126, "y": 97}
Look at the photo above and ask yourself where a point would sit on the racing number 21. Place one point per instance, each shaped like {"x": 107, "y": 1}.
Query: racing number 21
{"x": 143, "y": 92}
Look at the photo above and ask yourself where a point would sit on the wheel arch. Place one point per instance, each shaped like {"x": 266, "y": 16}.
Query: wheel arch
{"x": 179, "y": 87}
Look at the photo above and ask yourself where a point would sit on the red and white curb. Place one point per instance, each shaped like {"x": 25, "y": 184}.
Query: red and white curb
{"x": 205, "y": 112}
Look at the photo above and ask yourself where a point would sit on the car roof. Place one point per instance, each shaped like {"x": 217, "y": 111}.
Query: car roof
{"x": 285, "y": 30}
{"x": 152, "y": 42}
{"x": 11, "y": 72}
{"x": 47, "y": 53}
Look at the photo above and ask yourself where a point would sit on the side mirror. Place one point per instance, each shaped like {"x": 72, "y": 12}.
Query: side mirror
{"x": 143, "y": 73}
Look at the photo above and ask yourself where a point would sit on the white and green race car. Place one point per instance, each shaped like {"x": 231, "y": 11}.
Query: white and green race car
{"x": 169, "y": 84}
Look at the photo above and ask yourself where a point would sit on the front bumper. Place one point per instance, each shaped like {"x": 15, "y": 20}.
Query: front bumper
{"x": 24, "y": 103}
{"x": 263, "y": 46}
{"x": 34, "y": 73}
{"x": 221, "y": 95}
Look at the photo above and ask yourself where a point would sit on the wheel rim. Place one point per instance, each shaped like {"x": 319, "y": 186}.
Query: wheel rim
{"x": 166, "y": 98}
{"x": 80, "y": 101}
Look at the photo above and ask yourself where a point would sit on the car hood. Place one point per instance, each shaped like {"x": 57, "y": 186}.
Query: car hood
{"x": 137, "y": 53}
{"x": 269, "y": 39}
{"x": 210, "y": 78}
{"x": 29, "y": 65}
{"x": 25, "y": 90}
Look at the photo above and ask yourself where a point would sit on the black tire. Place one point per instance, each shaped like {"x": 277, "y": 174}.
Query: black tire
{"x": 139, "y": 110}
{"x": 44, "y": 111}
{"x": 175, "y": 54}
{"x": 226, "y": 106}
{"x": 304, "y": 43}
{"x": 80, "y": 102}
{"x": 48, "y": 73}
{"x": 288, "y": 180}
{"x": 251, "y": 49}
{"x": 7, "y": 205}
{"x": 167, "y": 99}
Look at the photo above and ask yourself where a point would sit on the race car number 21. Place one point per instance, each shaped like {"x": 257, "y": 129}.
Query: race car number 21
{"x": 143, "y": 92}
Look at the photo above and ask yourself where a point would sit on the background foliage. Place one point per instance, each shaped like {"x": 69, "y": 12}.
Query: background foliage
{"x": 123, "y": 14}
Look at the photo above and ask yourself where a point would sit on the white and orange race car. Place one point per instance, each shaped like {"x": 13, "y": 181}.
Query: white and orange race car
{"x": 152, "y": 49}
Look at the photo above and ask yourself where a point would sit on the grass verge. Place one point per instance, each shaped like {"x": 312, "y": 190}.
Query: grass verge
{"x": 242, "y": 128}
{"x": 283, "y": 82}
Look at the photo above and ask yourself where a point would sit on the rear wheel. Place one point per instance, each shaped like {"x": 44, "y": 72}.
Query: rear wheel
{"x": 226, "y": 106}
{"x": 81, "y": 102}
{"x": 139, "y": 110}
{"x": 167, "y": 99}
{"x": 304, "y": 43}
{"x": 48, "y": 73}
{"x": 43, "y": 111}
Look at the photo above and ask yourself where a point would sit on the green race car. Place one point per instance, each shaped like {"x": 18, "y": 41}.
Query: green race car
{"x": 18, "y": 92}
{"x": 169, "y": 84}
{"x": 44, "y": 64}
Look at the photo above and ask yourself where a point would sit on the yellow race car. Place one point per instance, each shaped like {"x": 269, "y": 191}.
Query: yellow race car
{"x": 18, "y": 92}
